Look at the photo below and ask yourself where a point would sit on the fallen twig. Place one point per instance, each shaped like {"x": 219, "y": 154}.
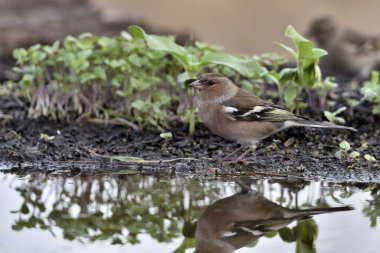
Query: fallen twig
{"x": 115, "y": 121}
{"x": 138, "y": 160}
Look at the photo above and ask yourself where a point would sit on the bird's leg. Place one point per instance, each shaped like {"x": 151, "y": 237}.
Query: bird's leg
{"x": 227, "y": 157}
{"x": 240, "y": 158}
{"x": 250, "y": 149}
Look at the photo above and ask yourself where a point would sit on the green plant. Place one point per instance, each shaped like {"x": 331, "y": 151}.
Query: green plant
{"x": 372, "y": 160}
{"x": 194, "y": 59}
{"x": 344, "y": 151}
{"x": 98, "y": 77}
{"x": 333, "y": 116}
{"x": 307, "y": 72}
{"x": 137, "y": 78}
{"x": 371, "y": 92}
{"x": 322, "y": 88}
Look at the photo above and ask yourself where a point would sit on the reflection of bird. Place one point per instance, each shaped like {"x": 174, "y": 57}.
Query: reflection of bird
{"x": 235, "y": 221}
{"x": 350, "y": 53}
{"x": 237, "y": 115}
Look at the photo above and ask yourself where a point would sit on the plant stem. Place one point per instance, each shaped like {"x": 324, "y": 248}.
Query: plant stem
{"x": 192, "y": 113}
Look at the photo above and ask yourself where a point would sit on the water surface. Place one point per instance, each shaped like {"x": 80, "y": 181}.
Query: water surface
{"x": 120, "y": 213}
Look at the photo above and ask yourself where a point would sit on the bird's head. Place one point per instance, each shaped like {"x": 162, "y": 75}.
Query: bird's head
{"x": 213, "y": 88}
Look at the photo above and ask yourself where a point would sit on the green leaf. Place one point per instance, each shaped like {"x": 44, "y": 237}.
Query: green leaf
{"x": 27, "y": 80}
{"x": 370, "y": 158}
{"x": 245, "y": 66}
{"x": 371, "y": 89}
{"x": 166, "y": 135}
{"x": 139, "y": 104}
{"x": 85, "y": 77}
{"x": 162, "y": 43}
{"x": 207, "y": 47}
{"x": 116, "y": 63}
{"x": 354, "y": 154}
{"x": 100, "y": 73}
{"x": 290, "y": 95}
{"x": 289, "y": 49}
{"x": 288, "y": 74}
{"x": 329, "y": 116}
{"x": 287, "y": 234}
{"x": 184, "y": 77}
{"x": 340, "y": 110}
{"x": 24, "y": 209}
{"x": 126, "y": 35}
{"x": 117, "y": 80}
{"x": 345, "y": 146}
{"x": 306, "y": 56}
{"x": 352, "y": 102}
{"x": 139, "y": 84}
{"x": 319, "y": 52}
{"x": 20, "y": 55}
{"x": 70, "y": 42}
{"x": 376, "y": 109}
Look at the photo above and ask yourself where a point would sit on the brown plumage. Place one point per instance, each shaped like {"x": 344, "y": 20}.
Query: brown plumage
{"x": 236, "y": 115}
{"x": 233, "y": 222}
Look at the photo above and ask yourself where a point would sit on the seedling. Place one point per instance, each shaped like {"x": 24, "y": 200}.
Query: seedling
{"x": 322, "y": 88}
{"x": 372, "y": 160}
{"x": 91, "y": 76}
{"x": 344, "y": 151}
{"x": 307, "y": 71}
{"x": 333, "y": 116}
{"x": 371, "y": 92}
{"x": 46, "y": 137}
{"x": 166, "y": 135}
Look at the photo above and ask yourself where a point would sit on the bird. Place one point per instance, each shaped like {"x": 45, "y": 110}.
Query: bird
{"x": 351, "y": 55}
{"x": 236, "y": 115}
{"x": 235, "y": 221}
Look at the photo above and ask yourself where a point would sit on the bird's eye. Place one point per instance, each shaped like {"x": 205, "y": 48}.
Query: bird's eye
{"x": 211, "y": 82}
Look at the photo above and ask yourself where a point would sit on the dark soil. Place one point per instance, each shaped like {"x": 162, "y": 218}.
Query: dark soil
{"x": 296, "y": 153}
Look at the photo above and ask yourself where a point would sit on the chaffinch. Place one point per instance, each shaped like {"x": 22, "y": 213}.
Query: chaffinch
{"x": 350, "y": 53}
{"x": 233, "y": 222}
{"x": 236, "y": 115}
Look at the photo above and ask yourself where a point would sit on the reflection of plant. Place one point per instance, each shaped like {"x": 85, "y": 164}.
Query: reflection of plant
{"x": 119, "y": 209}
{"x": 304, "y": 234}
{"x": 116, "y": 210}
{"x": 372, "y": 209}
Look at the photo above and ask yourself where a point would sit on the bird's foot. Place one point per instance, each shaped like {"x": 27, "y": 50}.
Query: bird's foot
{"x": 227, "y": 159}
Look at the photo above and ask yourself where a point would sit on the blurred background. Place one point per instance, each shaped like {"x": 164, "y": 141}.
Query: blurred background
{"x": 240, "y": 26}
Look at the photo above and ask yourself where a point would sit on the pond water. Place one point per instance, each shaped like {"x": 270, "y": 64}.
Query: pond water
{"x": 124, "y": 213}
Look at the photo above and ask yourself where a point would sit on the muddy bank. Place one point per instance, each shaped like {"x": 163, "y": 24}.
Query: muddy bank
{"x": 296, "y": 153}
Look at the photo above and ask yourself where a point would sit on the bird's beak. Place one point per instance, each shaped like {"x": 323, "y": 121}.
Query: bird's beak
{"x": 196, "y": 85}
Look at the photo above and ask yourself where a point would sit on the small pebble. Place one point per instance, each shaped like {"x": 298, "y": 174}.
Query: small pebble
{"x": 181, "y": 167}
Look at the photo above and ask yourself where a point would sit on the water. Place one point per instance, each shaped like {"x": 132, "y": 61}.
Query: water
{"x": 119, "y": 213}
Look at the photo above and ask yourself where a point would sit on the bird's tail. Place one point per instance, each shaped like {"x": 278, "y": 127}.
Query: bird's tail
{"x": 301, "y": 214}
{"x": 304, "y": 122}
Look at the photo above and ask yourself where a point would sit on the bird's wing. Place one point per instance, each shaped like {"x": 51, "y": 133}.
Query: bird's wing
{"x": 247, "y": 107}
